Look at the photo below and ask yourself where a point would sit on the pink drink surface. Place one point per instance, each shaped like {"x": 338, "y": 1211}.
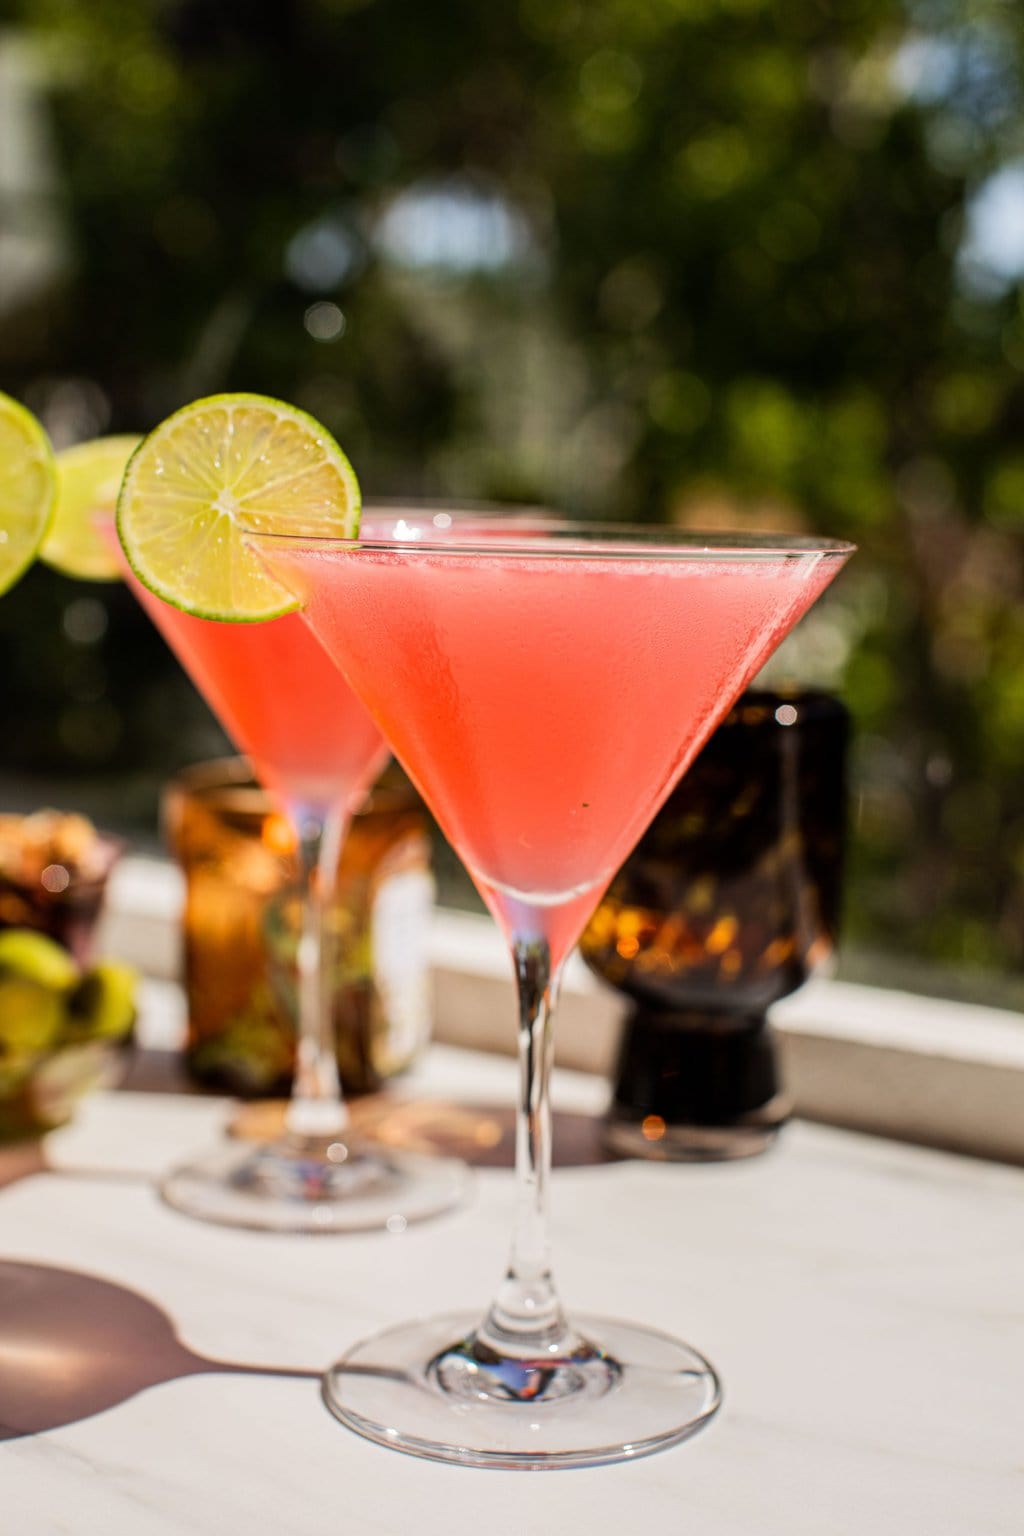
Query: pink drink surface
{"x": 545, "y": 706}
{"x": 281, "y": 700}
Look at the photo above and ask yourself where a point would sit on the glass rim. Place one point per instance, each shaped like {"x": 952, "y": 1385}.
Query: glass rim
{"x": 547, "y": 537}
{"x": 427, "y": 506}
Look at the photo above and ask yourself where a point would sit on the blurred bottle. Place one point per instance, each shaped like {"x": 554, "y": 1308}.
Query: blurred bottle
{"x": 242, "y": 922}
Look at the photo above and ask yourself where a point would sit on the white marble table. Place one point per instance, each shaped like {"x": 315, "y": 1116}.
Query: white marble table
{"x": 862, "y": 1301}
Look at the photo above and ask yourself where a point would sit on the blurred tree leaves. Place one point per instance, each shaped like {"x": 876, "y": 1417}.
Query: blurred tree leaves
{"x": 646, "y": 258}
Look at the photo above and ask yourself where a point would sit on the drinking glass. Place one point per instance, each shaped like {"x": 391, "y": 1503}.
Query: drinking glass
{"x": 315, "y": 748}
{"x": 545, "y": 689}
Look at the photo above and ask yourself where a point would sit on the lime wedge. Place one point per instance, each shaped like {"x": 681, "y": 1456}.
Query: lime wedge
{"x": 212, "y": 471}
{"x": 28, "y": 489}
{"x": 89, "y": 479}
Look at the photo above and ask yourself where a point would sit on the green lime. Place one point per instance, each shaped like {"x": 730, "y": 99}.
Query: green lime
{"x": 34, "y": 956}
{"x": 103, "y": 1003}
{"x": 214, "y": 470}
{"x": 30, "y": 1019}
{"x": 28, "y": 489}
{"x": 89, "y": 478}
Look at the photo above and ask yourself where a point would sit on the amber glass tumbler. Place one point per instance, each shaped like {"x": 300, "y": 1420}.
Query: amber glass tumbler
{"x": 729, "y": 902}
{"x": 241, "y": 931}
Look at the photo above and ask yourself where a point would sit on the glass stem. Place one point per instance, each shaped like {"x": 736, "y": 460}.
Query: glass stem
{"x": 316, "y": 1110}
{"x": 527, "y": 1315}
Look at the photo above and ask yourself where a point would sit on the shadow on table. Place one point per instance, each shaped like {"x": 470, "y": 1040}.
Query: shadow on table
{"x": 73, "y": 1345}
{"x": 483, "y": 1135}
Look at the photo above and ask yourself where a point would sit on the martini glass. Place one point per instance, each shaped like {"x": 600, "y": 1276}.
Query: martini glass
{"x": 545, "y": 690}
{"x": 313, "y": 745}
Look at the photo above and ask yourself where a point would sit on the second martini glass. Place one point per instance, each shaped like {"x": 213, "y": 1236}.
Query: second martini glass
{"x": 312, "y": 743}
{"x": 545, "y": 690}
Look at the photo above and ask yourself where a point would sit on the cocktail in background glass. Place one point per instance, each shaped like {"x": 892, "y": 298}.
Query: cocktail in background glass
{"x": 545, "y": 691}
{"x": 314, "y": 746}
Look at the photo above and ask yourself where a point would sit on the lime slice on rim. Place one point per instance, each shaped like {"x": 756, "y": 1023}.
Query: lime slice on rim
{"x": 89, "y": 479}
{"x": 28, "y": 489}
{"x": 214, "y": 470}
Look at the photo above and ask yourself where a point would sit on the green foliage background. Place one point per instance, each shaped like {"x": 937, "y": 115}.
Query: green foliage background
{"x": 713, "y": 271}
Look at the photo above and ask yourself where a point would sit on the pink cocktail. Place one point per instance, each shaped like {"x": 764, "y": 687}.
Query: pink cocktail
{"x": 545, "y": 691}
{"x": 278, "y": 695}
{"x": 544, "y": 757}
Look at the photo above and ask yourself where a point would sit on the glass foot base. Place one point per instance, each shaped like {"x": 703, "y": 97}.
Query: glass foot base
{"x": 273, "y": 1188}
{"x": 628, "y": 1392}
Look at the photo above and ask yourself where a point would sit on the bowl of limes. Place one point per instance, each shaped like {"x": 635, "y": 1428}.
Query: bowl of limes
{"x": 64, "y": 1030}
